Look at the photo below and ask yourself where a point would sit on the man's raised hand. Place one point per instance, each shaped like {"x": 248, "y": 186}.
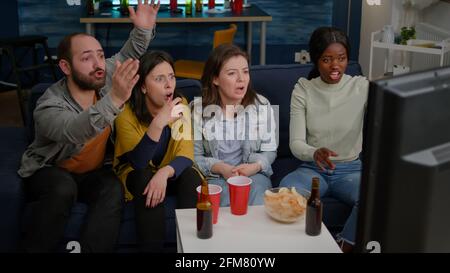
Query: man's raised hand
{"x": 145, "y": 14}
{"x": 123, "y": 81}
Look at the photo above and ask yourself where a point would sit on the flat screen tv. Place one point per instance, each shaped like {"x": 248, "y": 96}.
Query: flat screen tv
{"x": 405, "y": 187}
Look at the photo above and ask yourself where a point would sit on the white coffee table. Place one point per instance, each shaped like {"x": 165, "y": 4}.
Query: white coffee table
{"x": 254, "y": 232}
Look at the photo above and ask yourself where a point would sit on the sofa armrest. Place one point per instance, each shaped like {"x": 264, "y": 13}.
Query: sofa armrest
{"x": 13, "y": 142}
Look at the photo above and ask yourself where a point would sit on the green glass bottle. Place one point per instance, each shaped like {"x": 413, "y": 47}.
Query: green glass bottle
{"x": 188, "y": 7}
{"x": 124, "y": 7}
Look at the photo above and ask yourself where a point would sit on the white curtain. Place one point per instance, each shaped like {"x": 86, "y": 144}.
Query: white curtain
{"x": 411, "y": 11}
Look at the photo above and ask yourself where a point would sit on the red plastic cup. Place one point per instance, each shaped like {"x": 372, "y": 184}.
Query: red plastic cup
{"x": 236, "y": 6}
{"x": 214, "y": 196}
{"x": 173, "y": 5}
{"x": 239, "y": 187}
{"x": 211, "y": 4}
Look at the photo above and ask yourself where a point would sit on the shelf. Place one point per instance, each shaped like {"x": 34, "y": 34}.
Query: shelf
{"x": 375, "y": 43}
{"x": 418, "y": 49}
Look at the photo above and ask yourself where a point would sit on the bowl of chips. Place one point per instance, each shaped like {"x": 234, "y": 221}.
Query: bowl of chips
{"x": 286, "y": 205}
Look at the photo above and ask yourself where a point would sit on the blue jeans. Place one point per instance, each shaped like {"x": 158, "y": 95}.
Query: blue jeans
{"x": 260, "y": 183}
{"x": 341, "y": 183}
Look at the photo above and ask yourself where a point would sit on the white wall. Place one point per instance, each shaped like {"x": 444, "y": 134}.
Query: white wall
{"x": 373, "y": 18}
{"x": 438, "y": 15}
{"x": 391, "y": 12}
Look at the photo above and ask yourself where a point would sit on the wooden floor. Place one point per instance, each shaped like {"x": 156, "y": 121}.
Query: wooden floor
{"x": 9, "y": 110}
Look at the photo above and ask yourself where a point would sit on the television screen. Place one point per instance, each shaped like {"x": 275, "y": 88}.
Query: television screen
{"x": 405, "y": 188}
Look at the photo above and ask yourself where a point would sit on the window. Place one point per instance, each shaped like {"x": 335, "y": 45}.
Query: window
{"x": 165, "y": 2}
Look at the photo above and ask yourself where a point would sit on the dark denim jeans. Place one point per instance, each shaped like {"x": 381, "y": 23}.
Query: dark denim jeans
{"x": 341, "y": 183}
{"x": 55, "y": 190}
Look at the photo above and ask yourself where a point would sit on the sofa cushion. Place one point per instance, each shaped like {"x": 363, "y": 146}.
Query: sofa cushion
{"x": 189, "y": 88}
{"x": 282, "y": 167}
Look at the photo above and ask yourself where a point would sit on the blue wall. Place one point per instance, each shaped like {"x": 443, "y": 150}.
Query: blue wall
{"x": 9, "y": 19}
{"x": 293, "y": 22}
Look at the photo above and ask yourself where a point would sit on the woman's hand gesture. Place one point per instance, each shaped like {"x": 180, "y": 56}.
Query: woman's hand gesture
{"x": 322, "y": 158}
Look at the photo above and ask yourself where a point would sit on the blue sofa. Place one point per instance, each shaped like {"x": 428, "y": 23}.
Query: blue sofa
{"x": 275, "y": 82}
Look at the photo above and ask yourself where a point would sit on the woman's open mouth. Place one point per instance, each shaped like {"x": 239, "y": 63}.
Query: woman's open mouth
{"x": 335, "y": 75}
{"x": 240, "y": 89}
{"x": 169, "y": 96}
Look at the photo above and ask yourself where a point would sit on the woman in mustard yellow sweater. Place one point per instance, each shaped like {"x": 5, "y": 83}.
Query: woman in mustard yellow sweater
{"x": 154, "y": 148}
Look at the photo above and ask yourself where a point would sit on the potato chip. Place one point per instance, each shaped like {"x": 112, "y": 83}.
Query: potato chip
{"x": 284, "y": 204}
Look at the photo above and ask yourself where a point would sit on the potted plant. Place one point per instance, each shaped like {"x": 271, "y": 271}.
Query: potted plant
{"x": 406, "y": 34}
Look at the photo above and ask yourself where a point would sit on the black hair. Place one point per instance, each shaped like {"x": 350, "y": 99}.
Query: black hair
{"x": 147, "y": 63}
{"x": 321, "y": 38}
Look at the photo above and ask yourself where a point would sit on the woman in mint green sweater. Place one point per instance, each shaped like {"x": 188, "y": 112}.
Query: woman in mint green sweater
{"x": 327, "y": 113}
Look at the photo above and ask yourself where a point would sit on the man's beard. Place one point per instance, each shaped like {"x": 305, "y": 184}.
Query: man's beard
{"x": 87, "y": 83}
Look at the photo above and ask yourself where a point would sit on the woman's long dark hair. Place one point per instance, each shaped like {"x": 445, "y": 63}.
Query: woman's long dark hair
{"x": 321, "y": 38}
{"x": 147, "y": 63}
{"x": 215, "y": 62}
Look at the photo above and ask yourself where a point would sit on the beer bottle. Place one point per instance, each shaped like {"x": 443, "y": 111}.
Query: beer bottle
{"x": 314, "y": 210}
{"x": 188, "y": 6}
{"x": 124, "y": 7}
{"x": 198, "y": 5}
{"x": 204, "y": 213}
{"x": 90, "y": 7}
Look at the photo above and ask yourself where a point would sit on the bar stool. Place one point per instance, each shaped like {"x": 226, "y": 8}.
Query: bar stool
{"x": 191, "y": 69}
{"x": 9, "y": 47}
